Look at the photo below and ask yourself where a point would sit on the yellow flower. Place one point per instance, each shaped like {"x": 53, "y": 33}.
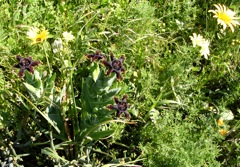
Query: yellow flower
{"x": 225, "y": 16}
{"x": 220, "y": 122}
{"x": 68, "y": 36}
{"x": 211, "y": 108}
{"x": 223, "y": 131}
{"x": 36, "y": 35}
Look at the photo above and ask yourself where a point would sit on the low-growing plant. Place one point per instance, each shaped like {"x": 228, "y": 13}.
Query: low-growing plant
{"x": 119, "y": 83}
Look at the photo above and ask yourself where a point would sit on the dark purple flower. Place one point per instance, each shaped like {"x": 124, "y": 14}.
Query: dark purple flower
{"x": 121, "y": 106}
{"x": 115, "y": 66}
{"x": 25, "y": 64}
{"x": 96, "y": 56}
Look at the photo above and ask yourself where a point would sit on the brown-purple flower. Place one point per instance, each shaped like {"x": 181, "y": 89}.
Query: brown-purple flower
{"x": 115, "y": 66}
{"x": 96, "y": 56}
{"x": 121, "y": 106}
{"x": 25, "y": 64}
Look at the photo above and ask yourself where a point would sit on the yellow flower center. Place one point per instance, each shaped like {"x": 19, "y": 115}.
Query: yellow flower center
{"x": 224, "y": 17}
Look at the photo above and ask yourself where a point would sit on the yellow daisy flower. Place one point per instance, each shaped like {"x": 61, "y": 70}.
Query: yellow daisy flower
{"x": 225, "y": 16}
{"x": 220, "y": 122}
{"x": 36, "y": 35}
{"x": 68, "y": 36}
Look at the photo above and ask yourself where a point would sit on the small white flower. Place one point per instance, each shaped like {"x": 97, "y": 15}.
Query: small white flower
{"x": 205, "y": 49}
{"x": 197, "y": 40}
{"x": 57, "y": 45}
{"x": 68, "y": 36}
{"x": 32, "y": 32}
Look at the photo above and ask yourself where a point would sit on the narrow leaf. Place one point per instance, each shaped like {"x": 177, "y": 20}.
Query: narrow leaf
{"x": 33, "y": 90}
{"x": 96, "y": 72}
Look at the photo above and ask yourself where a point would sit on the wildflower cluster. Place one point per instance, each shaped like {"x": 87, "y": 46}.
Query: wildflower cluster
{"x": 114, "y": 66}
{"x": 37, "y": 36}
{"x": 220, "y": 123}
{"x": 225, "y": 17}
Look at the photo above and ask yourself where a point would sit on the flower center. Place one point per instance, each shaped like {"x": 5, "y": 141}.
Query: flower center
{"x": 38, "y": 39}
{"x": 122, "y": 106}
{"x": 117, "y": 65}
{"x": 224, "y": 17}
{"x": 25, "y": 63}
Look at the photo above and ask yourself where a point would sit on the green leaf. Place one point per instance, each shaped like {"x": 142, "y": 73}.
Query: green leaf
{"x": 37, "y": 75}
{"x": 96, "y": 72}
{"x": 34, "y": 91}
{"x": 54, "y": 114}
{"x": 52, "y": 154}
{"x": 101, "y": 134}
{"x": 168, "y": 102}
{"x": 39, "y": 111}
{"x": 90, "y": 130}
{"x": 95, "y": 96}
{"x": 98, "y": 135}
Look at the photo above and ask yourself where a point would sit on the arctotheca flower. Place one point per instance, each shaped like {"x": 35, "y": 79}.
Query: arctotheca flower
{"x": 205, "y": 49}
{"x": 225, "y": 16}
{"x": 198, "y": 40}
{"x": 68, "y": 36}
{"x": 37, "y": 35}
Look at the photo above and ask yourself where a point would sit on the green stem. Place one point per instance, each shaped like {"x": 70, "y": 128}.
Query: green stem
{"x": 46, "y": 55}
{"x": 51, "y": 141}
{"x": 75, "y": 115}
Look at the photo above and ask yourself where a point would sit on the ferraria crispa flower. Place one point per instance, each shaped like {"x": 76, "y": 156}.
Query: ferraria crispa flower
{"x": 96, "y": 56}
{"x": 68, "y": 36}
{"x": 121, "y": 107}
{"x": 198, "y": 40}
{"x": 36, "y": 35}
{"x": 115, "y": 66}
{"x": 225, "y": 16}
{"x": 25, "y": 64}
